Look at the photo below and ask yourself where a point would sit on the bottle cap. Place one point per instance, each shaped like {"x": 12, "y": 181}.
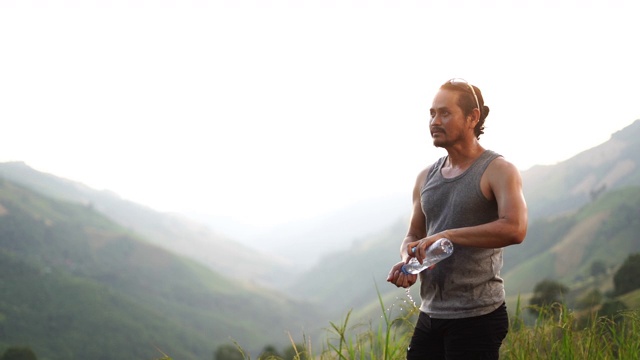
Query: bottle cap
{"x": 404, "y": 271}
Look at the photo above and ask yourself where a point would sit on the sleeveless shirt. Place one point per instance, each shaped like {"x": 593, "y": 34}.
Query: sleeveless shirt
{"x": 468, "y": 282}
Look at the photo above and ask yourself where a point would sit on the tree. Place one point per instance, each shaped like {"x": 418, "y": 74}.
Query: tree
{"x": 612, "y": 308}
{"x": 18, "y": 353}
{"x": 297, "y": 352}
{"x": 269, "y": 352}
{"x": 546, "y": 293}
{"x": 598, "y": 268}
{"x": 626, "y": 279}
{"x": 591, "y": 299}
{"x": 228, "y": 352}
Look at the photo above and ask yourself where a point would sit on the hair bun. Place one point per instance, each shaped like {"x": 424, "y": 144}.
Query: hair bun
{"x": 485, "y": 110}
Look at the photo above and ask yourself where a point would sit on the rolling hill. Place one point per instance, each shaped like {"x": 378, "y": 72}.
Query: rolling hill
{"x": 76, "y": 285}
{"x": 173, "y": 232}
{"x": 554, "y": 189}
{"x": 581, "y": 211}
{"x": 564, "y": 248}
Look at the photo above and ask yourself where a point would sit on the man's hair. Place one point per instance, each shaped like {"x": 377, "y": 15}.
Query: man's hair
{"x": 467, "y": 102}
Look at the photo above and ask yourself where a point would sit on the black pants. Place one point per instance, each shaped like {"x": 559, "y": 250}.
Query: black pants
{"x": 471, "y": 338}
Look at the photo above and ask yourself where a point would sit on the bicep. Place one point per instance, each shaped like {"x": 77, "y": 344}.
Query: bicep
{"x": 417, "y": 224}
{"x": 506, "y": 185}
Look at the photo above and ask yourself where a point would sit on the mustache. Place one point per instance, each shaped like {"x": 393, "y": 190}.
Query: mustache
{"x": 436, "y": 129}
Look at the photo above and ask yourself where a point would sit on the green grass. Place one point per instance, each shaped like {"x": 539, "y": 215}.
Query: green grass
{"x": 558, "y": 333}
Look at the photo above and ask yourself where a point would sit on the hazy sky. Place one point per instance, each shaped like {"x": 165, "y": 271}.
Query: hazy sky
{"x": 268, "y": 111}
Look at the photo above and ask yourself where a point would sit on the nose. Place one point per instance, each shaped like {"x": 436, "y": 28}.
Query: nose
{"x": 434, "y": 119}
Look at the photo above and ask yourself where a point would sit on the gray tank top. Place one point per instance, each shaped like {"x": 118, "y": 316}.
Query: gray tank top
{"x": 467, "y": 283}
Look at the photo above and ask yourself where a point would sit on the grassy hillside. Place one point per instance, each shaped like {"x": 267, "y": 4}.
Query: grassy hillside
{"x": 631, "y": 299}
{"x": 170, "y": 231}
{"x": 562, "y": 248}
{"x": 68, "y": 270}
{"x": 346, "y": 280}
{"x": 584, "y": 210}
{"x": 555, "y": 189}
{"x": 565, "y": 248}
{"x": 89, "y": 320}
{"x": 581, "y": 211}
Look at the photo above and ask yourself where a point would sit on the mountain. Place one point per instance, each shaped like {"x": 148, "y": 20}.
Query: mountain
{"x": 563, "y": 189}
{"x": 582, "y": 211}
{"x": 76, "y": 285}
{"x": 171, "y": 231}
{"x": 564, "y": 248}
{"x": 550, "y": 190}
{"x": 332, "y": 232}
{"x": 592, "y": 221}
{"x": 347, "y": 279}
{"x": 554, "y": 189}
{"x": 280, "y": 263}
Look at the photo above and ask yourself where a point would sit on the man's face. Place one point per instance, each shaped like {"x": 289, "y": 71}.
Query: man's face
{"x": 448, "y": 123}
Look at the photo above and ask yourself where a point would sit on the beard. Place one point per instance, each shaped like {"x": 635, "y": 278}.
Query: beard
{"x": 441, "y": 140}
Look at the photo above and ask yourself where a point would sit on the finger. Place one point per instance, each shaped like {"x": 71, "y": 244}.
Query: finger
{"x": 394, "y": 276}
{"x": 421, "y": 253}
{"x": 404, "y": 281}
{"x": 399, "y": 280}
{"x": 390, "y": 275}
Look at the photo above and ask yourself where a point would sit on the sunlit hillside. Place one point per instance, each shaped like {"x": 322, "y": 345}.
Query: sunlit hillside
{"x": 103, "y": 289}
{"x": 65, "y": 242}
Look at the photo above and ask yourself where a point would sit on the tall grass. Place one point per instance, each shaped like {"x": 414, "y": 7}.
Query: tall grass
{"x": 557, "y": 333}
{"x": 387, "y": 340}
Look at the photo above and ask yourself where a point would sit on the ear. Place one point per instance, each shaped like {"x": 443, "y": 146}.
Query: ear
{"x": 474, "y": 117}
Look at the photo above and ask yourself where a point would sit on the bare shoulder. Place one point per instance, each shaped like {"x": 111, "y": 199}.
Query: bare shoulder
{"x": 501, "y": 167}
{"x": 500, "y": 177}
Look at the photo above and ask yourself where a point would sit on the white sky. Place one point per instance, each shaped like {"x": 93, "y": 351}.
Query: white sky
{"x": 269, "y": 111}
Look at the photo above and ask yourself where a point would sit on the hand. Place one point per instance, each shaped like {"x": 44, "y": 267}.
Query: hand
{"x": 400, "y": 279}
{"x": 420, "y": 247}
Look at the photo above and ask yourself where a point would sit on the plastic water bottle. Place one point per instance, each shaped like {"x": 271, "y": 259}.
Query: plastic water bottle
{"x": 439, "y": 250}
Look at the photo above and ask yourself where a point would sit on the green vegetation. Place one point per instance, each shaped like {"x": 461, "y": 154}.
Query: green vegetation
{"x": 18, "y": 353}
{"x": 545, "y": 293}
{"x": 626, "y": 278}
{"x": 565, "y": 248}
{"x": 368, "y": 261}
{"x": 558, "y": 333}
{"x": 600, "y": 328}
{"x": 174, "y": 233}
{"x": 99, "y": 274}
{"x": 106, "y": 293}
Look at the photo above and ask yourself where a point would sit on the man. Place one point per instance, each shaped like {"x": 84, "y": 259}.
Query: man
{"x": 473, "y": 197}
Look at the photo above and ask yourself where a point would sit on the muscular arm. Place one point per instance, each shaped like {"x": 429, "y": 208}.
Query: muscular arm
{"x": 417, "y": 231}
{"x": 417, "y": 225}
{"x": 502, "y": 182}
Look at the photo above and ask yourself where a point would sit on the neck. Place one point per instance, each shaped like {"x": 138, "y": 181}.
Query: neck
{"x": 463, "y": 156}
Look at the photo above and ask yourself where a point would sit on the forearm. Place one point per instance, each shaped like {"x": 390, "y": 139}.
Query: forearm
{"x": 403, "y": 247}
{"x": 496, "y": 234}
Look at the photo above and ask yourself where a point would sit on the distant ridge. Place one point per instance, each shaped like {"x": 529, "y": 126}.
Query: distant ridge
{"x": 76, "y": 285}
{"x": 551, "y": 191}
{"x": 555, "y": 189}
{"x": 571, "y": 212}
{"x": 170, "y": 231}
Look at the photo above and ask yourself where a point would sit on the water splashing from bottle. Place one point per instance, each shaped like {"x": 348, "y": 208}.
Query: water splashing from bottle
{"x": 408, "y": 291}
